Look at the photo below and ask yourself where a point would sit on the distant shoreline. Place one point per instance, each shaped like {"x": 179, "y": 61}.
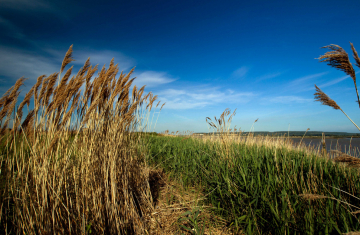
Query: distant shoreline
{"x": 292, "y": 134}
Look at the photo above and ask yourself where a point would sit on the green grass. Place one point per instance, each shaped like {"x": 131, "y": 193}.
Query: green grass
{"x": 257, "y": 189}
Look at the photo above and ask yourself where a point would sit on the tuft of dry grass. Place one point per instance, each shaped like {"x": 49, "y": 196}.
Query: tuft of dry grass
{"x": 174, "y": 207}
{"x": 72, "y": 165}
{"x": 309, "y": 196}
{"x": 228, "y": 136}
{"x": 347, "y": 159}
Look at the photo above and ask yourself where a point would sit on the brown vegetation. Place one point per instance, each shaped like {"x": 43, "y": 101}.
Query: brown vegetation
{"x": 77, "y": 168}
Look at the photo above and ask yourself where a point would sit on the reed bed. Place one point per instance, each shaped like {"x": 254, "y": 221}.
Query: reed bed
{"x": 284, "y": 142}
{"x": 263, "y": 187}
{"x": 72, "y": 165}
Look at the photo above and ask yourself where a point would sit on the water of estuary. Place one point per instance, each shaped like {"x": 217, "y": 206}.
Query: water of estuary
{"x": 350, "y": 146}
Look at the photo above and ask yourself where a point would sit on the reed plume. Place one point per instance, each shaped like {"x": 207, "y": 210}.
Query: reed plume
{"x": 339, "y": 59}
{"x": 67, "y": 59}
{"x": 326, "y": 100}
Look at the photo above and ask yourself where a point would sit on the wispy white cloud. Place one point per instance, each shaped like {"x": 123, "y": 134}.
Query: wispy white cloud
{"x": 97, "y": 57}
{"x": 17, "y": 63}
{"x": 171, "y": 93}
{"x": 26, "y": 5}
{"x": 183, "y": 104}
{"x": 58, "y": 9}
{"x": 240, "y": 72}
{"x": 287, "y": 99}
{"x": 305, "y": 79}
{"x": 9, "y": 29}
{"x": 191, "y": 98}
{"x": 335, "y": 81}
{"x": 25, "y": 63}
{"x": 269, "y": 76}
{"x": 182, "y": 117}
{"x": 230, "y": 91}
{"x": 103, "y": 57}
{"x": 305, "y": 83}
{"x": 152, "y": 78}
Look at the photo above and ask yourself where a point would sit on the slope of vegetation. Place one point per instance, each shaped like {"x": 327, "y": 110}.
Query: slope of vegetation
{"x": 263, "y": 190}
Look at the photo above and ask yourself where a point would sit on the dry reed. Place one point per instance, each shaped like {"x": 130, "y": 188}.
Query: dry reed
{"x": 72, "y": 166}
{"x": 339, "y": 59}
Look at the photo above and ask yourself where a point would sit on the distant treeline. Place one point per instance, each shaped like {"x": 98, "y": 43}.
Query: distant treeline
{"x": 295, "y": 133}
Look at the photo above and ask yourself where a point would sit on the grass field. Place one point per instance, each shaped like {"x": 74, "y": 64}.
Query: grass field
{"x": 83, "y": 161}
{"x": 258, "y": 189}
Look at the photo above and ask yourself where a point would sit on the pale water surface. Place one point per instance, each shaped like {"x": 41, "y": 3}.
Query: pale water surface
{"x": 346, "y": 145}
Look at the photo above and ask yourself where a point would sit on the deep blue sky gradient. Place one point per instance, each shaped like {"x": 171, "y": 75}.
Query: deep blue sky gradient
{"x": 199, "y": 57}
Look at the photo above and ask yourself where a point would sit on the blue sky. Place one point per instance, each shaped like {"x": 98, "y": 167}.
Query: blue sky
{"x": 200, "y": 57}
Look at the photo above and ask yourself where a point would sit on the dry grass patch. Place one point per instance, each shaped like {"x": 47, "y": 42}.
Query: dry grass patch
{"x": 180, "y": 210}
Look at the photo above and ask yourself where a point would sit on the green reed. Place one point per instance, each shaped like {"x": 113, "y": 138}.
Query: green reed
{"x": 263, "y": 190}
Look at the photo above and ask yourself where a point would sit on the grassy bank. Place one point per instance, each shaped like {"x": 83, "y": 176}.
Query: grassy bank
{"x": 260, "y": 189}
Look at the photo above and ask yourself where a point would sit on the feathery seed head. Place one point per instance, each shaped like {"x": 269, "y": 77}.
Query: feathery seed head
{"x": 85, "y": 68}
{"x": 157, "y": 104}
{"x": 50, "y": 87}
{"x": 338, "y": 58}
{"x": 162, "y": 106}
{"x": 37, "y": 85}
{"x": 67, "y": 59}
{"x": 134, "y": 93}
{"x": 324, "y": 99}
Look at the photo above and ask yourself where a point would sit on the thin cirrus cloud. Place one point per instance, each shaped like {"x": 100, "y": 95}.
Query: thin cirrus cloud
{"x": 305, "y": 80}
{"x": 330, "y": 83}
{"x": 240, "y": 72}
{"x": 335, "y": 81}
{"x": 26, "y": 63}
{"x": 269, "y": 76}
{"x": 287, "y": 100}
{"x": 103, "y": 58}
{"x": 152, "y": 78}
{"x": 9, "y": 29}
{"x": 25, "y": 5}
{"x": 21, "y": 63}
{"x": 194, "y": 98}
{"x": 305, "y": 83}
{"x": 33, "y": 7}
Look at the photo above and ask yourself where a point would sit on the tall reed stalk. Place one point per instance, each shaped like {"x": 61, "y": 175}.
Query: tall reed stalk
{"x": 71, "y": 166}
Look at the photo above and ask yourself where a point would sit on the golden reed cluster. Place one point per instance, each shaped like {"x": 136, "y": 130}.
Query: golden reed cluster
{"x": 72, "y": 165}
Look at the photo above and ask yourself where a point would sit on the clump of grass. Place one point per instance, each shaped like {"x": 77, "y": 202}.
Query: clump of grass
{"x": 222, "y": 126}
{"x": 71, "y": 166}
{"x": 226, "y": 136}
